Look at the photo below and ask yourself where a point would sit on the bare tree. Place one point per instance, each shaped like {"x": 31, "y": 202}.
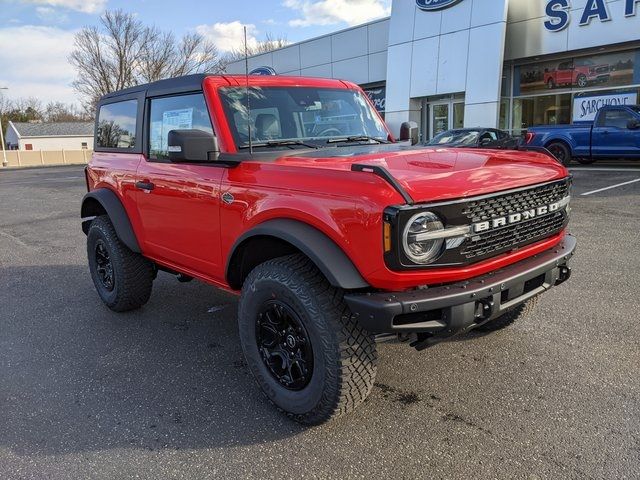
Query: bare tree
{"x": 122, "y": 52}
{"x": 270, "y": 43}
{"x": 61, "y": 112}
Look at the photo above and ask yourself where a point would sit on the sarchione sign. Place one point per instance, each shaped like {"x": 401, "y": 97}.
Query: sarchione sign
{"x": 432, "y": 5}
{"x": 585, "y": 108}
{"x": 559, "y": 12}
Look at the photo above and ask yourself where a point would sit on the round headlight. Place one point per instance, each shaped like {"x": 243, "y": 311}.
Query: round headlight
{"x": 421, "y": 251}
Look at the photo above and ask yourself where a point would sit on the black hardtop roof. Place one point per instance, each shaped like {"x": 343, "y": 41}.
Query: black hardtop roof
{"x": 187, "y": 83}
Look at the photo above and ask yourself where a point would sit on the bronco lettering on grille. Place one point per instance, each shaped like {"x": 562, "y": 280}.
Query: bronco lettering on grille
{"x": 518, "y": 217}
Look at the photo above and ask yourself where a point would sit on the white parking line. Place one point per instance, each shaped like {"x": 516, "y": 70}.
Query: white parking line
{"x": 604, "y": 169}
{"x": 610, "y": 187}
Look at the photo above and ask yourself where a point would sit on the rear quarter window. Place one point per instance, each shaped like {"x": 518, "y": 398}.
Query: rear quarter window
{"x": 117, "y": 124}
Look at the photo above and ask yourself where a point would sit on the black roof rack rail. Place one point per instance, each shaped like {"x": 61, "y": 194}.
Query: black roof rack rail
{"x": 384, "y": 174}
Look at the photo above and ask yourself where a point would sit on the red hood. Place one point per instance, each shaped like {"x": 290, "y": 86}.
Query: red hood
{"x": 444, "y": 173}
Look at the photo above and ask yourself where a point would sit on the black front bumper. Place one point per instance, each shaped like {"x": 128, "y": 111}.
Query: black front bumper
{"x": 437, "y": 313}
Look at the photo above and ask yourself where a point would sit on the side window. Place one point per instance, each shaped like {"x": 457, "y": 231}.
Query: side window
{"x": 117, "y": 125}
{"x": 184, "y": 112}
{"x": 615, "y": 118}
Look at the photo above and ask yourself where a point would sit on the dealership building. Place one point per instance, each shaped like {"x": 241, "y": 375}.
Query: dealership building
{"x": 509, "y": 64}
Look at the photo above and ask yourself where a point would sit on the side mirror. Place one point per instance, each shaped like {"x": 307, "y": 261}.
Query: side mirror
{"x": 409, "y": 131}
{"x": 192, "y": 146}
{"x": 633, "y": 124}
{"x": 485, "y": 141}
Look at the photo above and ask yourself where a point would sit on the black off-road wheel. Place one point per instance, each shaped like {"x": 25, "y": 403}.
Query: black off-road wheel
{"x": 312, "y": 360}
{"x": 503, "y": 321}
{"x": 561, "y": 151}
{"x": 122, "y": 278}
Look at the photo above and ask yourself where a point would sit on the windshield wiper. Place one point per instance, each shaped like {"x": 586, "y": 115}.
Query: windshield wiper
{"x": 282, "y": 143}
{"x": 356, "y": 138}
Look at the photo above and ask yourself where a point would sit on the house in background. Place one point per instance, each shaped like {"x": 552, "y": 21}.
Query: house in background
{"x": 49, "y": 136}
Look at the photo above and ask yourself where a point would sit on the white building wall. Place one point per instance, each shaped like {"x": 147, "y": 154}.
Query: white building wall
{"x": 456, "y": 50}
{"x": 56, "y": 143}
{"x": 357, "y": 54}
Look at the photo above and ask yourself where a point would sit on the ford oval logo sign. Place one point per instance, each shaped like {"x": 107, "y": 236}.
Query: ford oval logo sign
{"x": 263, "y": 71}
{"x": 432, "y": 5}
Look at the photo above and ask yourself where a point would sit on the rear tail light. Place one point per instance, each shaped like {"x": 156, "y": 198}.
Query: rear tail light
{"x": 86, "y": 178}
{"x": 528, "y": 137}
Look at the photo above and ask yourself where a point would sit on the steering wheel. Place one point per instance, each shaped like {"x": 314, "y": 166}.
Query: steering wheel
{"x": 330, "y": 132}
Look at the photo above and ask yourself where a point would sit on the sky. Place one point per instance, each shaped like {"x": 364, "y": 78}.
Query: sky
{"x": 36, "y": 36}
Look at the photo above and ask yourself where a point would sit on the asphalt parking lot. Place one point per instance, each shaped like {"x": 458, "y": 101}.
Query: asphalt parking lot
{"x": 164, "y": 392}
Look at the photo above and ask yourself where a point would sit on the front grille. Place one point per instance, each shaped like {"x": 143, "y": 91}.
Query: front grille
{"x": 483, "y": 245}
{"x": 501, "y": 205}
{"x": 507, "y": 238}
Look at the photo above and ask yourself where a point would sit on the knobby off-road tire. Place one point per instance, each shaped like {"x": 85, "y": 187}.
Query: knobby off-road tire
{"x": 342, "y": 356}
{"x": 511, "y": 316}
{"x": 131, "y": 275}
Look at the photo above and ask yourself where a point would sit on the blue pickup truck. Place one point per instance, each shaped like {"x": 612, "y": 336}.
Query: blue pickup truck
{"x": 615, "y": 133}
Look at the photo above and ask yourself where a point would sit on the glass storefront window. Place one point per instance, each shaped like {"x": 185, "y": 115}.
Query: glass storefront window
{"x": 458, "y": 115}
{"x": 601, "y": 70}
{"x": 503, "y": 122}
{"x": 543, "y": 110}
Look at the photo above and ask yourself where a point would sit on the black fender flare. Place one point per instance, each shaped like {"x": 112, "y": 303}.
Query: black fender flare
{"x": 116, "y": 212}
{"x": 330, "y": 259}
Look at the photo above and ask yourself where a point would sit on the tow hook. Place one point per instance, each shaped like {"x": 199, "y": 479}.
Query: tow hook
{"x": 564, "y": 273}
{"x": 485, "y": 310}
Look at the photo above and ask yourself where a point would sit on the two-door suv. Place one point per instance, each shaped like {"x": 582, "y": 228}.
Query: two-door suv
{"x": 293, "y": 193}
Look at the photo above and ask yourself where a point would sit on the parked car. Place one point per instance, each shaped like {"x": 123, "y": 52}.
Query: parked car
{"x": 615, "y": 133}
{"x": 328, "y": 238}
{"x": 474, "y": 138}
{"x": 569, "y": 74}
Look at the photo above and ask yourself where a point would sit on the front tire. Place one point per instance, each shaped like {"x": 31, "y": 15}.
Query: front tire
{"x": 310, "y": 357}
{"x": 521, "y": 311}
{"x": 582, "y": 80}
{"x": 122, "y": 278}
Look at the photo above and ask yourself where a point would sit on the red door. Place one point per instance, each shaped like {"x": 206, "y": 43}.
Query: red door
{"x": 179, "y": 202}
{"x": 179, "y": 212}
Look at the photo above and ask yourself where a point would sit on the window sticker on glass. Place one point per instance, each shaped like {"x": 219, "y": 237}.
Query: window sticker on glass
{"x": 175, "y": 120}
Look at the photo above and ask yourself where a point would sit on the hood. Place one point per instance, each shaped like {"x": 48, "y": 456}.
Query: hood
{"x": 429, "y": 174}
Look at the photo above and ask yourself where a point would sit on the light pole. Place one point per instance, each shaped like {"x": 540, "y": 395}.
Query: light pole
{"x": 4, "y": 152}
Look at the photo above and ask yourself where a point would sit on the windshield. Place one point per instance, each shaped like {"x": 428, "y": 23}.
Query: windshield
{"x": 457, "y": 137}
{"x": 309, "y": 115}
{"x": 635, "y": 108}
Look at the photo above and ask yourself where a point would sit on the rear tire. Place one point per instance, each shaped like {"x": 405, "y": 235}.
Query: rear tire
{"x": 561, "y": 151}
{"x": 311, "y": 358}
{"x": 503, "y": 321}
{"x": 122, "y": 278}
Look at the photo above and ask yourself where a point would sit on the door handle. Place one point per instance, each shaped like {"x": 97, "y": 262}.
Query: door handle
{"x": 145, "y": 186}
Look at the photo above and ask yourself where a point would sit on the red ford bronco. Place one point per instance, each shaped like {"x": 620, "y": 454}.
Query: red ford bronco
{"x": 293, "y": 193}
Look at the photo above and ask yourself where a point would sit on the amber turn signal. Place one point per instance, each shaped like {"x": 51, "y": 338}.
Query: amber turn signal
{"x": 387, "y": 237}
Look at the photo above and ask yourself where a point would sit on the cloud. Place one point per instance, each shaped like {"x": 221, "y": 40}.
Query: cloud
{"x": 51, "y": 16}
{"x": 329, "y": 12}
{"x": 37, "y": 65}
{"x": 229, "y": 36}
{"x": 84, "y": 6}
